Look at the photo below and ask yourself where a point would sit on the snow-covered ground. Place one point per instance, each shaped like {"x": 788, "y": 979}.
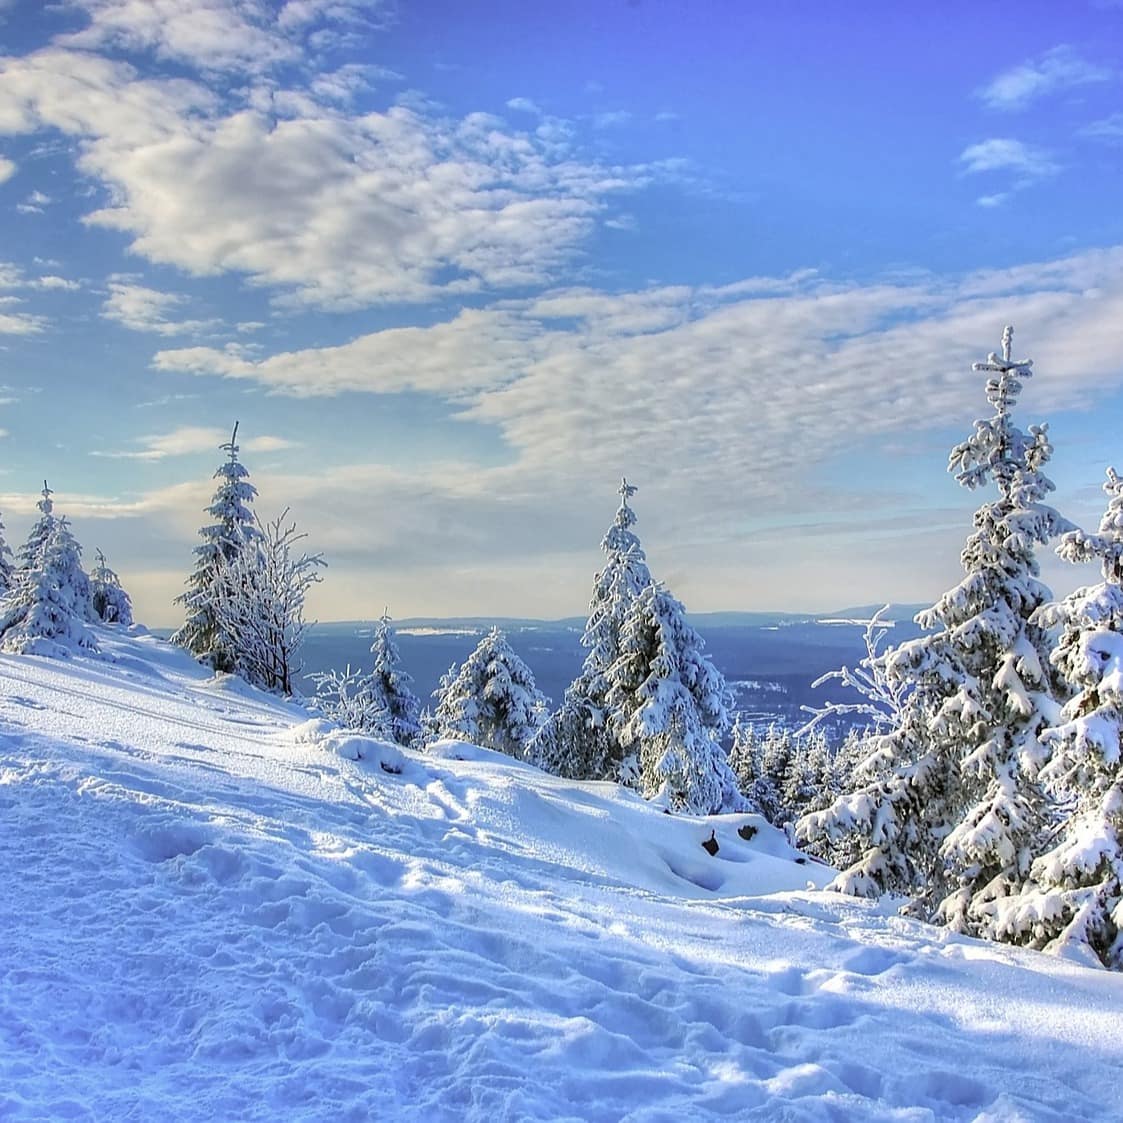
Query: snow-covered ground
{"x": 207, "y": 911}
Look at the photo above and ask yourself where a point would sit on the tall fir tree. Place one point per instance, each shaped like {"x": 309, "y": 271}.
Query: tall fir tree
{"x": 668, "y": 708}
{"x": 233, "y": 529}
{"x": 393, "y": 708}
{"x": 1073, "y": 902}
{"x": 577, "y": 741}
{"x": 492, "y": 700}
{"x": 955, "y": 814}
{"x": 108, "y": 599}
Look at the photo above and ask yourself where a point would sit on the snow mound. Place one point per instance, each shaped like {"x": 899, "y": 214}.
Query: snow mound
{"x": 210, "y": 911}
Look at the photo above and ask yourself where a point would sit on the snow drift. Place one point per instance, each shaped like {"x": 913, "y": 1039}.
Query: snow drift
{"x": 213, "y": 908}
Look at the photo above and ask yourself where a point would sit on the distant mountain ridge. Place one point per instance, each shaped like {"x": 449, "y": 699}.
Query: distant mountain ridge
{"x": 721, "y": 619}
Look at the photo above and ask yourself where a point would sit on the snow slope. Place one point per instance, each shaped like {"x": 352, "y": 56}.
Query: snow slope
{"x": 209, "y": 912}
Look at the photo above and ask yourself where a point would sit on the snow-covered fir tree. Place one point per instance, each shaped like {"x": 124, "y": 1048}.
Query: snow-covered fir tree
{"x": 393, "y": 710}
{"x": 48, "y": 608}
{"x": 777, "y": 755}
{"x": 668, "y": 708}
{"x": 492, "y": 700}
{"x": 108, "y": 599}
{"x": 1073, "y": 902}
{"x": 577, "y": 741}
{"x": 41, "y": 530}
{"x": 955, "y": 814}
{"x": 809, "y": 774}
{"x": 7, "y": 565}
{"x": 258, "y": 605}
{"x": 745, "y": 758}
{"x": 744, "y": 755}
{"x": 222, "y": 540}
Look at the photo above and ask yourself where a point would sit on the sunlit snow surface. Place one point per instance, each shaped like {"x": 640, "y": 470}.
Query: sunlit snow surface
{"x": 207, "y": 912}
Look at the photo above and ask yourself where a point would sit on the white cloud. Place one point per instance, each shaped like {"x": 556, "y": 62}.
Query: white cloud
{"x": 7, "y": 169}
{"x": 1059, "y": 69}
{"x": 524, "y": 105}
{"x": 21, "y": 323}
{"x": 1005, "y": 154}
{"x": 339, "y": 210}
{"x": 993, "y": 200}
{"x": 211, "y": 34}
{"x": 13, "y": 277}
{"x": 477, "y": 348}
{"x": 139, "y": 308}
{"x": 744, "y": 385}
{"x": 190, "y": 439}
{"x": 612, "y": 119}
{"x": 53, "y": 282}
{"x": 348, "y": 82}
{"x": 34, "y": 203}
{"x": 1109, "y": 129}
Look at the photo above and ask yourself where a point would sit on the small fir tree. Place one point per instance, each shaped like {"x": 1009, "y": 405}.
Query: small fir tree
{"x": 577, "y": 741}
{"x": 492, "y": 700}
{"x": 394, "y": 711}
{"x": 48, "y": 608}
{"x": 746, "y": 761}
{"x": 778, "y": 761}
{"x": 109, "y": 601}
{"x": 955, "y": 814}
{"x": 233, "y": 528}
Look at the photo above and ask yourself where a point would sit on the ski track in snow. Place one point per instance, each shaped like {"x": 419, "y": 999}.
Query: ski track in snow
{"x": 204, "y": 918}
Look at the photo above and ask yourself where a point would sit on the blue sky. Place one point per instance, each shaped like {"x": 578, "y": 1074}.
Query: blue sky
{"x": 457, "y": 267}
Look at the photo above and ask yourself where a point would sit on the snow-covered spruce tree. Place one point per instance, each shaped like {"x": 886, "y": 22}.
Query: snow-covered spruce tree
{"x": 748, "y": 768}
{"x": 7, "y": 566}
{"x": 257, "y": 602}
{"x": 41, "y": 530}
{"x": 492, "y": 700}
{"x": 668, "y": 707}
{"x": 744, "y": 755}
{"x": 394, "y": 711}
{"x": 577, "y": 741}
{"x": 223, "y": 539}
{"x": 955, "y": 814}
{"x": 1073, "y": 902}
{"x": 808, "y": 775}
{"x": 777, "y": 754}
{"x": 109, "y": 601}
{"x": 48, "y": 608}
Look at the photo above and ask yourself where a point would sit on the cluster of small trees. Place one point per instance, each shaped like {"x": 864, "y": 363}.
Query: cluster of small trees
{"x": 648, "y": 708}
{"x": 244, "y": 603}
{"x": 490, "y": 699}
{"x": 784, "y": 775}
{"x": 993, "y": 793}
{"x": 47, "y": 600}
